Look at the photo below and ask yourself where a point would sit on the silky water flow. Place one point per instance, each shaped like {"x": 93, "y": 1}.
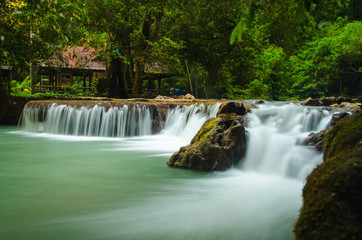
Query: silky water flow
{"x": 92, "y": 173}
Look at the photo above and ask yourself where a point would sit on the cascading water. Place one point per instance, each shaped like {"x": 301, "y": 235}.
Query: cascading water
{"x": 118, "y": 122}
{"x": 120, "y": 187}
{"x": 185, "y": 122}
{"x": 275, "y": 133}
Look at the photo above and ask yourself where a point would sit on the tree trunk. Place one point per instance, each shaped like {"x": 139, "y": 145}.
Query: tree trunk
{"x": 340, "y": 81}
{"x": 138, "y": 77}
{"x": 117, "y": 81}
{"x": 212, "y": 75}
{"x": 188, "y": 76}
{"x": 33, "y": 74}
{"x": 196, "y": 92}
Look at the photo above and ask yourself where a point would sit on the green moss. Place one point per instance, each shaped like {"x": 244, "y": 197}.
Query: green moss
{"x": 332, "y": 195}
{"x": 207, "y": 127}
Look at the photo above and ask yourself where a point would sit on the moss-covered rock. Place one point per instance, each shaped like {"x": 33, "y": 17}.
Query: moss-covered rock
{"x": 332, "y": 196}
{"x": 220, "y": 143}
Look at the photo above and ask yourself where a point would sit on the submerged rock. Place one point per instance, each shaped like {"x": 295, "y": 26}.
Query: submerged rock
{"x": 332, "y": 195}
{"x": 219, "y": 144}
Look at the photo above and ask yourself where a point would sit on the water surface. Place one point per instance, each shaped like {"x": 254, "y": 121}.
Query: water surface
{"x": 64, "y": 187}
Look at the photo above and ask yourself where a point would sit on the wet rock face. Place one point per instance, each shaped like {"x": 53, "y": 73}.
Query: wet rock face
{"x": 316, "y": 139}
{"x": 232, "y": 107}
{"x": 338, "y": 116}
{"x": 332, "y": 195}
{"x": 159, "y": 118}
{"x": 219, "y": 144}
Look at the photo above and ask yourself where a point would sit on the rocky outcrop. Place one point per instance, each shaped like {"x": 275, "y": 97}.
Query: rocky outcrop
{"x": 332, "y": 195}
{"x": 219, "y": 144}
{"x": 316, "y": 139}
{"x": 353, "y": 104}
{"x": 338, "y": 116}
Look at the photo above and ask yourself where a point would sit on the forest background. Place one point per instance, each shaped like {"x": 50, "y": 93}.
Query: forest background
{"x": 235, "y": 49}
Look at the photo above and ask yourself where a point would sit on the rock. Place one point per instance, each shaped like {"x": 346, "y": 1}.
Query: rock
{"x": 159, "y": 97}
{"x": 219, "y": 144}
{"x": 331, "y": 101}
{"x": 327, "y": 101}
{"x": 338, "y": 116}
{"x": 332, "y": 195}
{"x": 355, "y": 106}
{"x": 232, "y": 107}
{"x": 159, "y": 118}
{"x": 311, "y": 102}
{"x": 357, "y": 100}
{"x": 316, "y": 140}
{"x": 189, "y": 97}
{"x": 259, "y": 101}
{"x": 341, "y": 99}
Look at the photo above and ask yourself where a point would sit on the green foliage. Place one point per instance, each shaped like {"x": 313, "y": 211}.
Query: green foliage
{"x": 271, "y": 49}
{"x": 21, "y": 89}
{"x": 319, "y": 69}
{"x": 256, "y": 89}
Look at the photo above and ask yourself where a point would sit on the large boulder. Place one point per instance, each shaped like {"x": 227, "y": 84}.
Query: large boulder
{"x": 219, "y": 144}
{"x": 332, "y": 195}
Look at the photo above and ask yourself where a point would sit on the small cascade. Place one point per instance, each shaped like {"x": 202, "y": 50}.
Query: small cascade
{"x": 115, "y": 121}
{"x": 274, "y": 134}
{"x": 186, "y": 121}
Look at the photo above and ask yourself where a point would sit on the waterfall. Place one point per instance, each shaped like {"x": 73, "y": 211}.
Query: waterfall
{"x": 274, "y": 136}
{"x": 115, "y": 121}
{"x": 186, "y": 121}
{"x": 275, "y": 130}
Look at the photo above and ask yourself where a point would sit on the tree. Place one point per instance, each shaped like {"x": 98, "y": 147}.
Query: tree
{"x": 146, "y": 39}
{"x": 36, "y": 28}
{"x": 331, "y": 63}
{"x": 203, "y": 27}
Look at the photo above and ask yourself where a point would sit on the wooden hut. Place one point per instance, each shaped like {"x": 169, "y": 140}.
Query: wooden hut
{"x": 65, "y": 67}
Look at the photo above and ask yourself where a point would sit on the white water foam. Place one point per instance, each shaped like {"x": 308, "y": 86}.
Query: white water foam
{"x": 116, "y": 122}
{"x": 274, "y": 132}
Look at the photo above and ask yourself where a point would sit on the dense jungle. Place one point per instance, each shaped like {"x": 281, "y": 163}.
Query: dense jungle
{"x": 234, "y": 49}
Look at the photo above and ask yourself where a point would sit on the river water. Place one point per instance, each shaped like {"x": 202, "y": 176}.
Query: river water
{"x": 61, "y": 186}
